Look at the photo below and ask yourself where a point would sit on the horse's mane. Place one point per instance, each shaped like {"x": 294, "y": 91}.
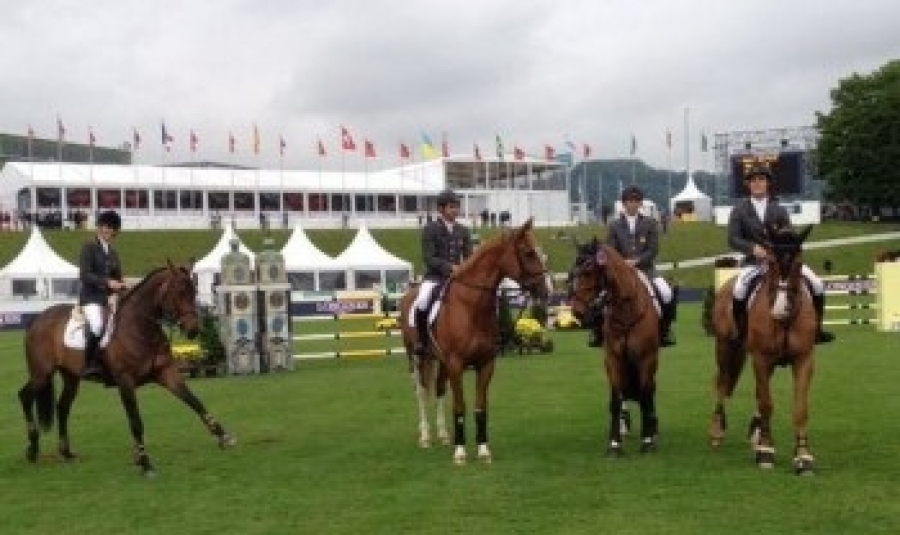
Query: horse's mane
{"x": 141, "y": 284}
{"x": 483, "y": 250}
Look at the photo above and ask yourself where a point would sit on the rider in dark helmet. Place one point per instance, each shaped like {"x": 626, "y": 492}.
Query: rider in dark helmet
{"x": 445, "y": 244}
{"x": 747, "y": 234}
{"x": 635, "y": 236}
{"x": 100, "y": 273}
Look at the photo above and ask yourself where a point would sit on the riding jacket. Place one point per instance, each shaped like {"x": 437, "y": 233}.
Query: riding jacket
{"x": 642, "y": 244}
{"x": 95, "y": 268}
{"x": 745, "y": 229}
{"x": 443, "y": 247}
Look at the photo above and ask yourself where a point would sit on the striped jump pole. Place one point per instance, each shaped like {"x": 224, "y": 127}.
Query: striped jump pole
{"x": 856, "y": 295}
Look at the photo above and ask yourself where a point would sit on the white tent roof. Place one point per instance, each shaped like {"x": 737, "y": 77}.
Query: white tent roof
{"x": 300, "y": 254}
{"x": 212, "y": 262}
{"x": 690, "y": 192}
{"x": 37, "y": 259}
{"x": 365, "y": 253}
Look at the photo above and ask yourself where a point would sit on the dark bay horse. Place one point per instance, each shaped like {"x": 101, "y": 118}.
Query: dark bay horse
{"x": 631, "y": 336}
{"x": 138, "y": 353}
{"x": 781, "y": 332}
{"x": 465, "y": 332}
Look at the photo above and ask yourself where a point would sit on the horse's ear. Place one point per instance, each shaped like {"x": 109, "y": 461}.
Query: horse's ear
{"x": 804, "y": 233}
{"x": 528, "y": 224}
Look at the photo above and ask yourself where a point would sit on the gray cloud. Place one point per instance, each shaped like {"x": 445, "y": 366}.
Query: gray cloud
{"x": 532, "y": 72}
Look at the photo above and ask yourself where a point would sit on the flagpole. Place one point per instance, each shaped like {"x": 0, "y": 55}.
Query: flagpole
{"x": 669, "y": 166}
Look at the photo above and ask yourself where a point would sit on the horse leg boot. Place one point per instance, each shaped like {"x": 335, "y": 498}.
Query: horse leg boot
{"x": 421, "y": 347}
{"x": 92, "y": 366}
{"x": 822, "y": 337}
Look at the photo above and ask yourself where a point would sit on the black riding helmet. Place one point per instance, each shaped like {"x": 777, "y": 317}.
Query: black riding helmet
{"x": 632, "y": 193}
{"x": 448, "y": 196}
{"x": 110, "y": 219}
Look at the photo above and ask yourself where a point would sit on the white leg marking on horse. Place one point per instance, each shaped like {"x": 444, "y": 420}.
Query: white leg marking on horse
{"x": 484, "y": 453}
{"x": 459, "y": 455}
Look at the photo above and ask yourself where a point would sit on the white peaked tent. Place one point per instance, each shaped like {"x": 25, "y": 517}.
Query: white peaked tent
{"x": 699, "y": 203}
{"x": 369, "y": 265}
{"x": 211, "y": 264}
{"x": 38, "y": 272}
{"x": 308, "y": 268}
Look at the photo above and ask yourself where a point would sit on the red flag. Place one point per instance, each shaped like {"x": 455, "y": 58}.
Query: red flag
{"x": 477, "y": 153}
{"x": 404, "y": 151}
{"x": 445, "y": 146}
{"x": 91, "y": 138}
{"x": 587, "y": 151}
{"x": 194, "y": 141}
{"x": 231, "y": 142}
{"x": 282, "y": 146}
{"x": 549, "y": 152}
{"x": 518, "y": 153}
{"x": 136, "y": 137}
{"x": 370, "y": 149}
{"x": 347, "y": 140}
{"x": 321, "y": 148}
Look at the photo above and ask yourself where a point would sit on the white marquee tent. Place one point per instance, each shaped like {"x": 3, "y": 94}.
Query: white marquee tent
{"x": 308, "y": 268}
{"x": 38, "y": 272}
{"x": 211, "y": 264}
{"x": 369, "y": 265}
{"x": 699, "y": 203}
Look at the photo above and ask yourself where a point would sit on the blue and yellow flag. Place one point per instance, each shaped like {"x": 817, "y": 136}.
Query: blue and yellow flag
{"x": 429, "y": 152}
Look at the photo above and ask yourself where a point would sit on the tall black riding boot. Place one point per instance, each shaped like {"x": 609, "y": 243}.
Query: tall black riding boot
{"x": 92, "y": 365}
{"x": 739, "y": 311}
{"x": 666, "y": 337}
{"x": 422, "y": 330}
{"x": 822, "y": 337}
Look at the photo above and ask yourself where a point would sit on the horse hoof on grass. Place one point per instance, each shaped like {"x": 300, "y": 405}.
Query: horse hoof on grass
{"x": 765, "y": 459}
{"x": 227, "y": 441}
{"x": 31, "y": 454}
{"x": 648, "y": 446}
{"x": 424, "y": 443}
{"x": 804, "y": 467}
{"x": 614, "y": 452}
{"x": 459, "y": 456}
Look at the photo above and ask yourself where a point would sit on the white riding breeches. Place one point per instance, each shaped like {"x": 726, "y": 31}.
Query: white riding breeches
{"x": 748, "y": 273}
{"x": 93, "y": 316}
{"x": 665, "y": 291}
{"x": 422, "y": 299}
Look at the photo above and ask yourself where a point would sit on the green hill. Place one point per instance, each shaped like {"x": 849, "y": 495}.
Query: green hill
{"x": 142, "y": 250}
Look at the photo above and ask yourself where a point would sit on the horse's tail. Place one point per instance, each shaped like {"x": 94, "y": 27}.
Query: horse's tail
{"x": 45, "y": 399}
{"x": 730, "y": 357}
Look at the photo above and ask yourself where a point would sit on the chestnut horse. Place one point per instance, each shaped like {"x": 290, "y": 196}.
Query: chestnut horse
{"x": 631, "y": 336}
{"x": 138, "y": 352}
{"x": 465, "y": 332}
{"x": 781, "y": 331}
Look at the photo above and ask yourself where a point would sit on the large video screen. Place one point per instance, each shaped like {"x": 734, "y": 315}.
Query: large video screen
{"x": 787, "y": 169}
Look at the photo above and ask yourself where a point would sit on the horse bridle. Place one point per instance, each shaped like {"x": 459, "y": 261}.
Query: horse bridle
{"x": 171, "y": 316}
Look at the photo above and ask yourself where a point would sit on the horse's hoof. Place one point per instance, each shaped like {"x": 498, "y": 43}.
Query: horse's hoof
{"x": 484, "y": 454}
{"x": 765, "y": 459}
{"x": 803, "y": 466}
{"x": 459, "y": 456}
{"x": 444, "y": 438}
{"x": 614, "y": 452}
{"x": 68, "y": 456}
{"x": 227, "y": 441}
{"x": 648, "y": 446}
{"x": 716, "y": 441}
{"x": 31, "y": 454}
{"x": 424, "y": 443}
{"x": 149, "y": 474}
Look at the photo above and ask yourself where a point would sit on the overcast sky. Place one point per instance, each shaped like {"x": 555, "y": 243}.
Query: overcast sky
{"x": 536, "y": 73}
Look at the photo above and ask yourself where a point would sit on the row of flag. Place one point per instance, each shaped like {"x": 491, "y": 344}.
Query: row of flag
{"x": 347, "y": 144}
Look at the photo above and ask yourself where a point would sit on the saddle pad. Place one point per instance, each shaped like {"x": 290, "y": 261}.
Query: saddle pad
{"x": 73, "y": 336}
{"x": 649, "y": 285}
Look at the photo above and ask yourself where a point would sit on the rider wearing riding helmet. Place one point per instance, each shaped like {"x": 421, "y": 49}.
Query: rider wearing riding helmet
{"x": 100, "y": 273}
{"x": 635, "y": 236}
{"x": 445, "y": 244}
{"x": 747, "y": 234}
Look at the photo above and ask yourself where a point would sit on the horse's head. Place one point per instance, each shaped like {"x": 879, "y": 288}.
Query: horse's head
{"x": 785, "y": 263}
{"x": 524, "y": 261}
{"x": 585, "y": 277}
{"x": 176, "y": 298}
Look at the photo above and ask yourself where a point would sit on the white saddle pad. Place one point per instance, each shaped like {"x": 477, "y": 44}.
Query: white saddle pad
{"x": 650, "y": 290}
{"x": 73, "y": 336}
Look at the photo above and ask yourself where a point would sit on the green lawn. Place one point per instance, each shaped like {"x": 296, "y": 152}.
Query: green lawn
{"x": 331, "y": 448}
{"x": 143, "y": 250}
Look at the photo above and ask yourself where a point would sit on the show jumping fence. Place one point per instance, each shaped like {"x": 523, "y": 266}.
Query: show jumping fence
{"x": 851, "y": 299}
{"x": 343, "y": 336}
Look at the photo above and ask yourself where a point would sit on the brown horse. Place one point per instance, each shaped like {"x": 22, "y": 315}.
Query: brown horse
{"x": 465, "y": 332}
{"x": 631, "y": 336}
{"x": 781, "y": 331}
{"x": 138, "y": 352}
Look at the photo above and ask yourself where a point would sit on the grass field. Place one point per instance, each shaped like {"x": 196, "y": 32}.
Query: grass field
{"x": 331, "y": 448}
{"x": 143, "y": 250}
